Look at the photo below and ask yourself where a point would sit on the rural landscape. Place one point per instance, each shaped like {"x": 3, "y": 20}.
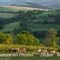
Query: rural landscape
{"x": 29, "y": 32}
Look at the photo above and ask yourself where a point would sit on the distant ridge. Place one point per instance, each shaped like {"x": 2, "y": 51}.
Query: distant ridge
{"x": 30, "y": 4}
{"x": 33, "y": 3}
{"x": 23, "y": 8}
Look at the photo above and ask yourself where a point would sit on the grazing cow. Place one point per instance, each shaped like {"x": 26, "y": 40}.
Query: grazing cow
{"x": 39, "y": 51}
{"x": 22, "y": 50}
{"x": 14, "y": 50}
{"x": 58, "y": 50}
{"x": 46, "y": 52}
{"x": 17, "y": 50}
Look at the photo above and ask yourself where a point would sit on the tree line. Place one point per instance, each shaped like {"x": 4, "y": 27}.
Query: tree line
{"x": 26, "y": 38}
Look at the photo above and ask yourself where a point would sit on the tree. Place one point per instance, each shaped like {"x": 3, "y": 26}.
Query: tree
{"x": 25, "y": 38}
{"x": 2, "y": 37}
{"x": 51, "y": 38}
{"x": 8, "y": 39}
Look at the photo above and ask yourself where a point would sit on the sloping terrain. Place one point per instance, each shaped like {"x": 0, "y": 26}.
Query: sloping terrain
{"x": 10, "y": 27}
{"x": 11, "y": 18}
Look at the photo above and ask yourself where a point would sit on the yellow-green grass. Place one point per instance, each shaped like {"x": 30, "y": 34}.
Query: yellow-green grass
{"x": 26, "y": 46}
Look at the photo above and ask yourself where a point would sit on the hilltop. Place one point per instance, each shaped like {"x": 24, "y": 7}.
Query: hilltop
{"x": 22, "y": 8}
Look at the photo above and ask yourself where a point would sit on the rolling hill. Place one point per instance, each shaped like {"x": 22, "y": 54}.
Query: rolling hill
{"x": 34, "y": 19}
{"x": 30, "y": 4}
{"x": 17, "y": 8}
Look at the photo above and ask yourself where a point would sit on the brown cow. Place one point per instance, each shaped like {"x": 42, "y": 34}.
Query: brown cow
{"x": 17, "y": 50}
{"x": 22, "y": 50}
{"x": 13, "y": 50}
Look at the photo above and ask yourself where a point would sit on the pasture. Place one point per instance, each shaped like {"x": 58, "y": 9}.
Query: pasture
{"x": 10, "y": 27}
{"x": 29, "y": 58}
{"x": 6, "y": 15}
{"x": 41, "y": 27}
{"x": 2, "y": 8}
{"x": 33, "y": 27}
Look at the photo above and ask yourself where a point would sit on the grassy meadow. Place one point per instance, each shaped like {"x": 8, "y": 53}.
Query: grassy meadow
{"x": 29, "y": 58}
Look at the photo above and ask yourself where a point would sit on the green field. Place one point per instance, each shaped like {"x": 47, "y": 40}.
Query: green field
{"x": 7, "y": 9}
{"x": 39, "y": 27}
{"x": 6, "y": 15}
{"x": 33, "y": 27}
{"x": 30, "y": 58}
{"x": 10, "y": 27}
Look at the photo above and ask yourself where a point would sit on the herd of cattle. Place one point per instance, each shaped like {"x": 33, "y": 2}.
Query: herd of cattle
{"x": 38, "y": 52}
{"x": 17, "y": 50}
{"x": 49, "y": 52}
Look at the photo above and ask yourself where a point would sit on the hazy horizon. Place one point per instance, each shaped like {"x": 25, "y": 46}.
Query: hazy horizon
{"x": 49, "y": 3}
